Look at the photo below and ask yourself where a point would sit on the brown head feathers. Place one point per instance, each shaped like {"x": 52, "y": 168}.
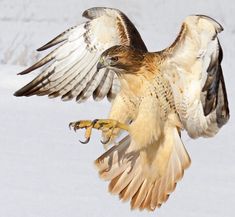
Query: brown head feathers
{"x": 124, "y": 58}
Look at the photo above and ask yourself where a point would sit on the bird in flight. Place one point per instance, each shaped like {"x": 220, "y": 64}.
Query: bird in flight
{"x": 154, "y": 96}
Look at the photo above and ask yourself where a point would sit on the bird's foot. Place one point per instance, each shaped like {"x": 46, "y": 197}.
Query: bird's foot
{"x": 108, "y": 126}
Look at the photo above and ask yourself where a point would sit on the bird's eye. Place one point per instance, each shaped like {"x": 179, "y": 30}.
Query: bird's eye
{"x": 114, "y": 59}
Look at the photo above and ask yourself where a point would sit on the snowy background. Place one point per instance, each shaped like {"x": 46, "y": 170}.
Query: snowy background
{"x": 45, "y": 171}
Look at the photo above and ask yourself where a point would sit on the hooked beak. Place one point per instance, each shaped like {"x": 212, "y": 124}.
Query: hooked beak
{"x": 100, "y": 64}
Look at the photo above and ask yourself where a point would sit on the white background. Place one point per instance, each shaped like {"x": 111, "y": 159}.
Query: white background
{"x": 45, "y": 171}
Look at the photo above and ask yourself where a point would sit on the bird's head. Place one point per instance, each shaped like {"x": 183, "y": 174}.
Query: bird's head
{"x": 121, "y": 59}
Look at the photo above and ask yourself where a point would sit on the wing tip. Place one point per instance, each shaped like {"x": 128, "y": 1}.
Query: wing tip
{"x": 22, "y": 92}
{"x": 26, "y": 71}
{"x": 52, "y": 43}
{"x": 95, "y": 12}
{"x": 44, "y": 47}
{"x": 17, "y": 94}
{"x": 219, "y": 28}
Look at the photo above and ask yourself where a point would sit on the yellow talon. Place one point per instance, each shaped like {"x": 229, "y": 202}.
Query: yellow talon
{"x": 106, "y": 125}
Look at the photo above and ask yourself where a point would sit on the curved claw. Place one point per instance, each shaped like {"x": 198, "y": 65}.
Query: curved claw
{"x": 105, "y": 142}
{"x": 70, "y": 125}
{"x": 74, "y": 125}
{"x": 86, "y": 141}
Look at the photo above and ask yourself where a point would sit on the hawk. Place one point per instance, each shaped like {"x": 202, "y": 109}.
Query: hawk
{"x": 154, "y": 95}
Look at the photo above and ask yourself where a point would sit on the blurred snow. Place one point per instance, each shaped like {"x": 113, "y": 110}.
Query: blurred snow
{"x": 45, "y": 171}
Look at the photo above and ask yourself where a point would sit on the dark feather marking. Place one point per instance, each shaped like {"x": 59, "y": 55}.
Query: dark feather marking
{"x": 82, "y": 81}
{"x": 212, "y": 90}
{"x": 58, "y": 39}
{"x": 112, "y": 91}
{"x": 37, "y": 65}
{"x": 71, "y": 77}
{"x": 90, "y": 82}
{"x": 30, "y": 87}
{"x": 222, "y": 110}
{"x": 35, "y": 87}
{"x": 211, "y": 86}
{"x": 216, "y": 95}
{"x": 97, "y": 92}
{"x": 180, "y": 36}
{"x": 134, "y": 36}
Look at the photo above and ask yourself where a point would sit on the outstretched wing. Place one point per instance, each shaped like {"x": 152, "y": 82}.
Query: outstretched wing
{"x": 70, "y": 69}
{"x": 193, "y": 67}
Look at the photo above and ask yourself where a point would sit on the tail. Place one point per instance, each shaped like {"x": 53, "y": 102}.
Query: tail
{"x": 145, "y": 176}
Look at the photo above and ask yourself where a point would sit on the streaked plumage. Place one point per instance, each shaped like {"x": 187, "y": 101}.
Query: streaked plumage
{"x": 156, "y": 94}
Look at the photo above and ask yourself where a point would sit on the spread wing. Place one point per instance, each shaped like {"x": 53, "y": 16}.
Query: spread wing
{"x": 70, "y": 69}
{"x": 193, "y": 67}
